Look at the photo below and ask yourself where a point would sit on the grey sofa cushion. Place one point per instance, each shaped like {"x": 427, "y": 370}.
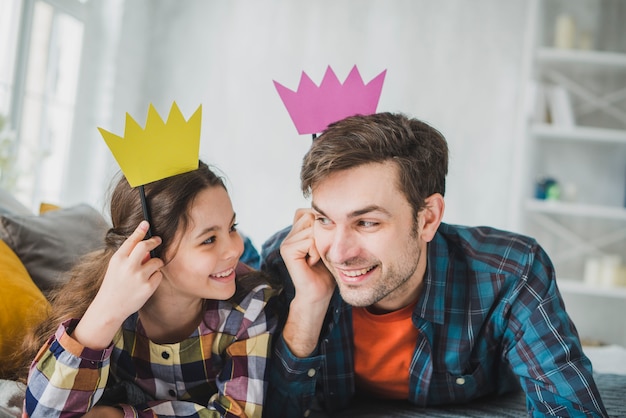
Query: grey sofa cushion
{"x": 49, "y": 244}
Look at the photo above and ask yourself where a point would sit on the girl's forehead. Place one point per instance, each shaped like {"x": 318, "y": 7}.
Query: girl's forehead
{"x": 212, "y": 206}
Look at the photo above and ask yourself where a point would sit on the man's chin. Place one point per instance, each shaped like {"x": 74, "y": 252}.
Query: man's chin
{"x": 359, "y": 298}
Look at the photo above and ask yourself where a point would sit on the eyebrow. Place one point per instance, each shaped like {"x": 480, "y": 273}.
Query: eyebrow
{"x": 358, "y": 212}
{"x": 214, "y": 227}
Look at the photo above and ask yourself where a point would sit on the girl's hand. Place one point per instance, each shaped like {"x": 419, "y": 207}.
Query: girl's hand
{"x": 131, "y": 278}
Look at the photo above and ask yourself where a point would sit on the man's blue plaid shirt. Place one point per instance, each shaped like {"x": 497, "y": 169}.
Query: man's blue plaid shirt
{"x": 491, "y": 319}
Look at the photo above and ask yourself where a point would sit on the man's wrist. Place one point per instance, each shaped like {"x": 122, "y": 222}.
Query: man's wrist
{"x": 304, "y": 325}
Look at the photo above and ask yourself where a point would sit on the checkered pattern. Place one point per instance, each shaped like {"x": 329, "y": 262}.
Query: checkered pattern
{"x": 490, "y": 318}
{"x": 219, "y": 371}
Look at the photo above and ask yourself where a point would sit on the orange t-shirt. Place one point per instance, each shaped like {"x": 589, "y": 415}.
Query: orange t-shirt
{"x": 383, "y": 349}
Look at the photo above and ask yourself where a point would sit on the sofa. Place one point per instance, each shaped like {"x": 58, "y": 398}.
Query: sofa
{"x": 35, "y": 250}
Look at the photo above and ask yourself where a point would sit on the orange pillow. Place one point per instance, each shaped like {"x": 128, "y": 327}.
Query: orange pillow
{"x": 22, "y": 305}
{"x": 47, "y": 207}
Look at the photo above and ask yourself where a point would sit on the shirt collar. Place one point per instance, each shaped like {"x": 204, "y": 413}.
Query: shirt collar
{"x": 432, "y": 303}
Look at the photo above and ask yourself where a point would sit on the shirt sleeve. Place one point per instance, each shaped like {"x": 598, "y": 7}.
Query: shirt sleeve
{"x": 176, "y": 409}
{"x": 292, "y": 382}
{"x": 545, "y": 351}
{"x": 242, "y": 382}
{"x": 66, "y": 379}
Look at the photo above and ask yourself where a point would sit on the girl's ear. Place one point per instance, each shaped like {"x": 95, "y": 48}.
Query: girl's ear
{"x": 430, "y": 217}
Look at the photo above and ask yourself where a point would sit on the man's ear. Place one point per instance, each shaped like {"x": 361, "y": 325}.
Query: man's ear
{"x": 430, "y": 217}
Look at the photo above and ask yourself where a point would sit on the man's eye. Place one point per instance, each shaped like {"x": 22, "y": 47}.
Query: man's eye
{"x": 368, "y": 224}
{"x": 233, "y": 228}
{"x": 322, "y": 220}
{"x": 210, "y": 240}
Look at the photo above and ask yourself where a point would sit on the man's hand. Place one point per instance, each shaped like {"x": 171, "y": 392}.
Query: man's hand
{"x": 309, "y": 274}
{"x": 313, "y": 283}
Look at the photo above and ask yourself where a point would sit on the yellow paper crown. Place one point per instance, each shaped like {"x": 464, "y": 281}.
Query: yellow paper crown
{"x": 161, "y": 150}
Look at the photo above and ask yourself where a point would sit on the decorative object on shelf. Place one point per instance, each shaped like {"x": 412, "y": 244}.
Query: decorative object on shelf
{"x": 560, "y": 108}
{"x": 564, "y": 31}
{"x": 569, "y": 192}
{"x": 547, "y": 189}
{"x": 569, "y": 35}
{"x": 607, "y": 270}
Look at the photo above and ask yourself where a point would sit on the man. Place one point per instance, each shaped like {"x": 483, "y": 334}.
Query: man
{"x": 382, "y": 299}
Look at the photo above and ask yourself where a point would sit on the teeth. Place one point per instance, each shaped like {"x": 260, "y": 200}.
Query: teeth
{"x": 224, "y": 273}
{"x": 356, "y": 273}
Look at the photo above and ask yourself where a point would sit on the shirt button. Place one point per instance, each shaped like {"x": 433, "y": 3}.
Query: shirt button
{"x": 165, "y": 355}
{"x": 311, "y": 372}
{"x": 460, "y": 381}
{"x": 171, "y": 392}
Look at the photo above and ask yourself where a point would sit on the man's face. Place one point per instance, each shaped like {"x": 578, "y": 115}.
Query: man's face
{"x": 368, "y": 237}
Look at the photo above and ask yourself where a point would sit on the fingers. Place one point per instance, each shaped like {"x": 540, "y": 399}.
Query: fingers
{"x": 302, "y": 220}
{"x": 302, "y": 226}
{"x": 314, "y": 255}
{"x": 302, "y": 213}
{"x": 138, "y": 235}
{"x": 132, "y": 273}
{"x": 299, "y": 243}
{"x": 136, "y": 244}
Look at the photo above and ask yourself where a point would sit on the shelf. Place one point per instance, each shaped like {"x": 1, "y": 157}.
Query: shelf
{"x": 580, "y": 59}
{"x": 582, "y": 288}
{"x": 576, "y": 209}
{"x": 578, "y": 133}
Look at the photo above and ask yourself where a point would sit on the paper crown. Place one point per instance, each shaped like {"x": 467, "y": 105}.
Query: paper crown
{"x": 161, "y": 150}
{"x": 313, "y": 108}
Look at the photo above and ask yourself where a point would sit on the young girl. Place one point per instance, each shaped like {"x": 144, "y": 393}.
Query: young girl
{"x": 184, "y": 333}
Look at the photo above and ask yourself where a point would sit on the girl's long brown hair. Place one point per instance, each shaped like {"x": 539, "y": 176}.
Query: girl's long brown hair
{"x": 169, "y": 201}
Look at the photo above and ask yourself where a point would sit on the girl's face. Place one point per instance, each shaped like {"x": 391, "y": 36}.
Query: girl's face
{"x": 208, "y": 251}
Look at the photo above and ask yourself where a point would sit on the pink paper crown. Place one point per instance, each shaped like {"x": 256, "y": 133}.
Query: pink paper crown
{"x": 313, "y": 108}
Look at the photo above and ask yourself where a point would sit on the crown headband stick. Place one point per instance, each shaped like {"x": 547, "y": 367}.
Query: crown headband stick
{"x": 158, "y": 151}
{"x": 313, "y": 108}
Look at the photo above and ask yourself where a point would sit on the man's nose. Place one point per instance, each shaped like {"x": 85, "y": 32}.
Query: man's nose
{"x": 344, "y": 246}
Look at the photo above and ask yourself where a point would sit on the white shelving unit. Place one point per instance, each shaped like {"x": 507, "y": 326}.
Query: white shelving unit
{"x": 578, "y": 139}
{"x": 580, "y": 133}
{"x": 583, "y": 59}
{"x": 575, "y": 286}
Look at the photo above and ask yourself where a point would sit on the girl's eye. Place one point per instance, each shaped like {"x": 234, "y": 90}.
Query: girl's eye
{"x": 234, "y": 227}
{"x": 210, "y": 240}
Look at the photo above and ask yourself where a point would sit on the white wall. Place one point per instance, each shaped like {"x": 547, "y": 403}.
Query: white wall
{"x": 456, "y": 64}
